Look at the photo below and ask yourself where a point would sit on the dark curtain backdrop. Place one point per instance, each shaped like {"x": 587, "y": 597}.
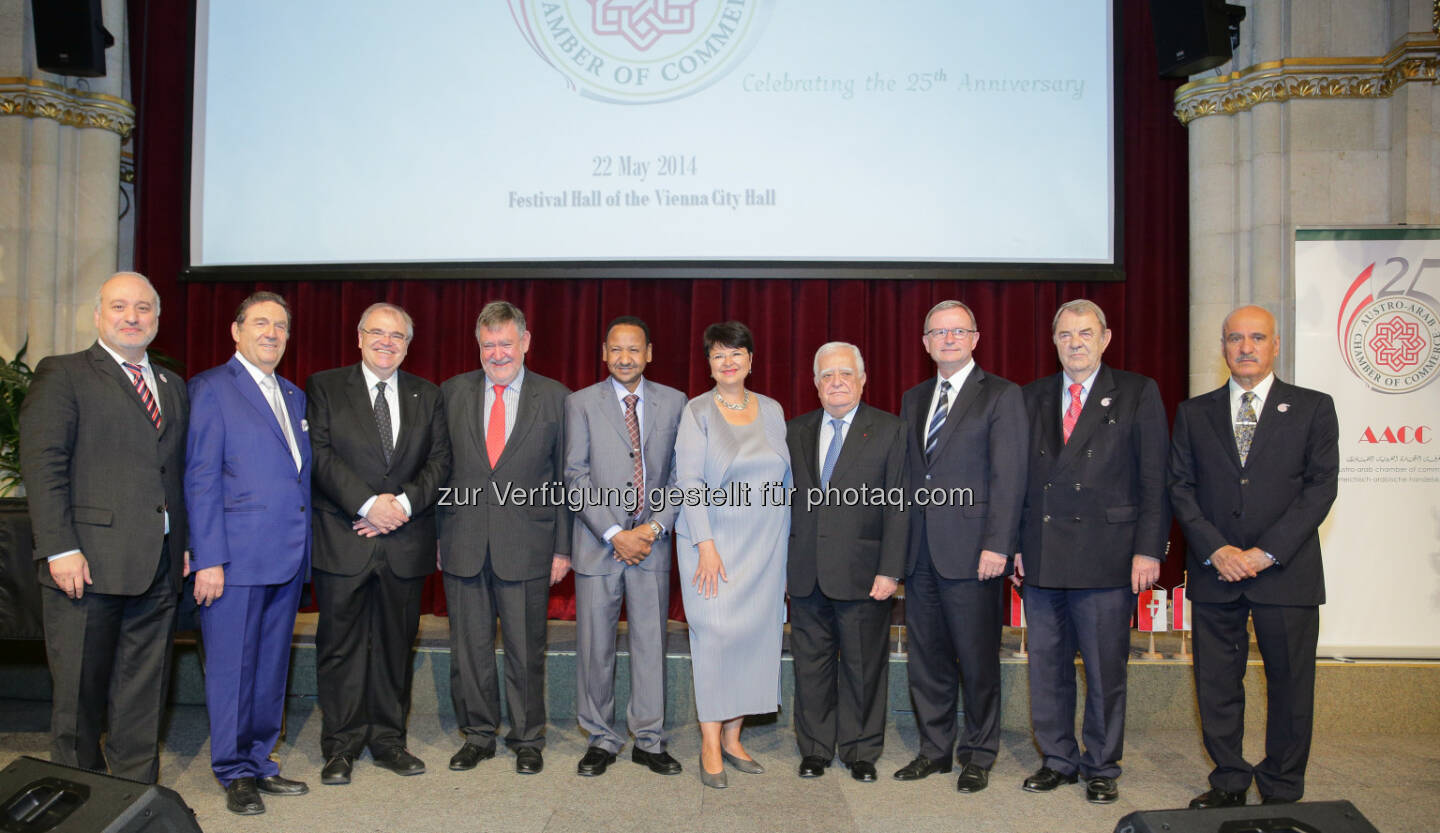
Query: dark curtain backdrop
{"x": 790, "y": 318}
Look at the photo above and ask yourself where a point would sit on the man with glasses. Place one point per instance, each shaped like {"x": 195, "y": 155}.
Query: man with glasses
{"x": 966, "y": 463}
{"x": 381, "y": 451}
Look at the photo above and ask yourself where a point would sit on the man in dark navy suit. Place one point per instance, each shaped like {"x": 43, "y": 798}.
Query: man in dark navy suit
{"x": 1253, "y": 472}
{"x": 966, "y": 449}
{"x": 1092, "y": 535}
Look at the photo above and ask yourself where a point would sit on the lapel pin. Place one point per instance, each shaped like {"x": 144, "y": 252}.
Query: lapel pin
{"x": 162, "y": 378}
{"x": 1105, "y": 403}
{"x": 1283, "y": 407}
{"x": 305, "y": 425}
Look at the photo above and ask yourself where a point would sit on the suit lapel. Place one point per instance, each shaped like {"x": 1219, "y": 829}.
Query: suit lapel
{"x": 615, "y": 413}
{"x": 922, "y": 411}
{"x": 169, "y": 399}
{"x": 410, "y": 417}
{"x": 1096, "y": 410}
{"x": 964, "y": 398}
{"x": 1218, "y": 409}
{"x": 108, "y": 367}
{"x": 1272, "y": 421}
{"x": 524, "y": 419}
{"x": 250, "y": 392}
{"x": 358, "y": 395}
{"x": 809, "y": 437}
{"x": 855, "y": 440}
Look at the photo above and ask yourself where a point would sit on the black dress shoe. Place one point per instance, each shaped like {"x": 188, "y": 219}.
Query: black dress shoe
{"x": 1046, "y": 779}
{"x": 469, "y": 755}
{"x": 660, "y": 762}
{"x": 242, "y": 799}
{"x": 973, "y": 778}
{"x": 812, "y": 766}
{"x": 337, "y": 770}
{"x": 921, "y": 767}
{"x": 594, "y": 762}
{"x": 399, "y": 761}
{"x": 1101, "y": 790}
{"x": 528, "y": 760}
{"x": 862, "y": 771}
{"x": 276, "y": 785}
{"x": 1217, "y": 798}
{"x": 1270, "y": 799}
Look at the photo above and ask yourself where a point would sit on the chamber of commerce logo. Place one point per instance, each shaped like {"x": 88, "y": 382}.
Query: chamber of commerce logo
{"x": 1390, "y": 336}
{"x": 640, "y": 51}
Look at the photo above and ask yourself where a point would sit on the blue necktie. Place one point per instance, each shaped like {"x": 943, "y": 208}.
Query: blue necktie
{"x": 833, "y": 452}
{"x": 932, "y": 437}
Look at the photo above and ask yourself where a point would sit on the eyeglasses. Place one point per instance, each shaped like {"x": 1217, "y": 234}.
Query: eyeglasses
{"x": 958, "y": 332}
{"x": 377, "y": 334}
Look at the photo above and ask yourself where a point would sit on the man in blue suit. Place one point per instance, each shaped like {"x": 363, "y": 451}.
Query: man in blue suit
{"x": 247, "y": 490}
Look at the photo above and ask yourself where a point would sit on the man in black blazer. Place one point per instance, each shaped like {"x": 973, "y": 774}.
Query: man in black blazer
{"x": 381, "y": 451}
{"x": 1253, "y": 471}
{"x": 102, "y": 445}
{"x": 1092, "y": 536}
{"x": 966, "y": 462}
{"x": 504, "y": 537}
{"x": 847, "y": 550}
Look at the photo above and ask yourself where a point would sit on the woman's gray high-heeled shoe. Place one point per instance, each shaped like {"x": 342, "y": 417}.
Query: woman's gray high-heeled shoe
{"x": 750, "y": 767}
{"x": 717, "y": 780}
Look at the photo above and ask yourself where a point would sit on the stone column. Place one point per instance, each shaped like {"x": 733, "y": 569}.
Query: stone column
{"x": 1326, "y": 116}
{"x": 60, "y": 162}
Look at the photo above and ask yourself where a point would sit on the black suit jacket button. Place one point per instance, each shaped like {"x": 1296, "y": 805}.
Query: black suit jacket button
{"x": 1046, "y": 519}
{"x": 1046, "y": 487}
{"x": 1236, "y": 513}
{"x": 302, "y": 509}
{"x": 162, "y": 469}
{"x": 1076, "y": 519}
{"x": 1077, "y": 487}
{"x": 927, "y": 477}
{"x": 1042, "y": 452}
{"x": 160, "y": 509}
{"x": 1244, "y": 481}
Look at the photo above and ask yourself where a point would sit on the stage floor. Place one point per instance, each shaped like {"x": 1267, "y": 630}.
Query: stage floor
{"x": 1393, "y": 779}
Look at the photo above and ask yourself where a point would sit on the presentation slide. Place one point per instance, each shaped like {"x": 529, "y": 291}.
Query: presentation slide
{"x": 475, "y": 131}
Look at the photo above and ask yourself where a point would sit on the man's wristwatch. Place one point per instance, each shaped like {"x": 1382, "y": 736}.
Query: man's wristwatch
{"x": 656, "y": 528}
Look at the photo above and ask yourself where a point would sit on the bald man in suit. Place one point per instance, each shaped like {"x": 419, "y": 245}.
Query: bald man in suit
{"x": 102, "y": 440}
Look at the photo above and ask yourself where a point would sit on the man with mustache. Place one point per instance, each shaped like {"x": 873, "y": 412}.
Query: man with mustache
{"x": 382, "y": 450}
{"x": 1253, "y": 471}
{"x": 500, "y": 558}
{"x": 620, "y": 441}
{"x": 1092, "y": 536}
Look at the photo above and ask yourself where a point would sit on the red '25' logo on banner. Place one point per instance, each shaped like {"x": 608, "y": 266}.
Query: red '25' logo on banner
{"x": 1390, "y": 337}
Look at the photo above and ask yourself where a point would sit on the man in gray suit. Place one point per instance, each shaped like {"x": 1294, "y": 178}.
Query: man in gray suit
{"x": 967, "y": 455}
{"x": 102, "y": 442}
{"x": 845, "y": 561}
{"x": 619, "y": 448}
{"x": 504, "y": 537}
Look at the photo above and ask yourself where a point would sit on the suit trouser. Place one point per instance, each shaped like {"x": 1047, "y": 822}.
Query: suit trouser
{"x": 842, "y": 672}
{"x": 474, "y": 603}
{"x": 109, "y": 661}
{"x": 1096, "y": 621}
{"x": 953, "y": 627}
{"x": 646, "y": 594}
{"x": 247, "y": 632}
{"x": 1287, "y": 637}
{"x": 363, "y": 667}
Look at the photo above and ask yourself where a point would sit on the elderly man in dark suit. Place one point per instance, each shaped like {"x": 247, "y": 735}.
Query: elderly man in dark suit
{"x": 1092, "y": 535}
{"x": 1254, "y": 467}
{"x": 504, "y": 537}
{"x": 966, "y": 461}
{"x": 247, "y": 488}
{"x": 619, "y": 450}
{"x": 845, "y": 560}
{"x": 102, "y": 443}
{"x": 381, "y": 451}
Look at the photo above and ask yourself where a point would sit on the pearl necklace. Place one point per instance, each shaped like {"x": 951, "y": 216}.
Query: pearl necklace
{"x": 744, "y": 403}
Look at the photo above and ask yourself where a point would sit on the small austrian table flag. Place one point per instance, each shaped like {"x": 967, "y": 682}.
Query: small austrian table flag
{"x": 1017, "y": 609}
{"x": 1181, "y": 605}
{"x": 1151, "y": 614}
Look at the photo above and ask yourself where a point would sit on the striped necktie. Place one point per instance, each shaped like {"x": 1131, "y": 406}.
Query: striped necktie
{"x": 942, "y": 408}
{"x": 137, "y": 378}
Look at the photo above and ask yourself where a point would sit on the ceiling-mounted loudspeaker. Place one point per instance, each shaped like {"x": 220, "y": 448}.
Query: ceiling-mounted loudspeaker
{"x": 1194, "y": 35}
{"x": 70, "y": 37}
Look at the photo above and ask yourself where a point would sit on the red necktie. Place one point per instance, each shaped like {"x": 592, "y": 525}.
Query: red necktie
{"x": 495, "y": 431}
{"x": 1072, "y": 413}
{"x": 632, "y": 427}
{"x": 137, "y": 378}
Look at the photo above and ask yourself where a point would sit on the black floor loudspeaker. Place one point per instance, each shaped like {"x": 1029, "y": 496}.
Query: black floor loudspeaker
{"x": 1303, "y": 817}
{"x": 1193, "y": 35}
{"x": 70, "y": 37}
{"x": 40, "y": 797}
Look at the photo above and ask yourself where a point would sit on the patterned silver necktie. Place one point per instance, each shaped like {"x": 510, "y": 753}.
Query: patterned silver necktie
{"x": 1245, "y": 425}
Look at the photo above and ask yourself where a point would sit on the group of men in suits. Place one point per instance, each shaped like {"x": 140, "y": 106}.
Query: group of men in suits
{"x": 134, "y": 484}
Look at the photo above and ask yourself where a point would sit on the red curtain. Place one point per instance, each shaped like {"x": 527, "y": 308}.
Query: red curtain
{"x": 790, "y": 318}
